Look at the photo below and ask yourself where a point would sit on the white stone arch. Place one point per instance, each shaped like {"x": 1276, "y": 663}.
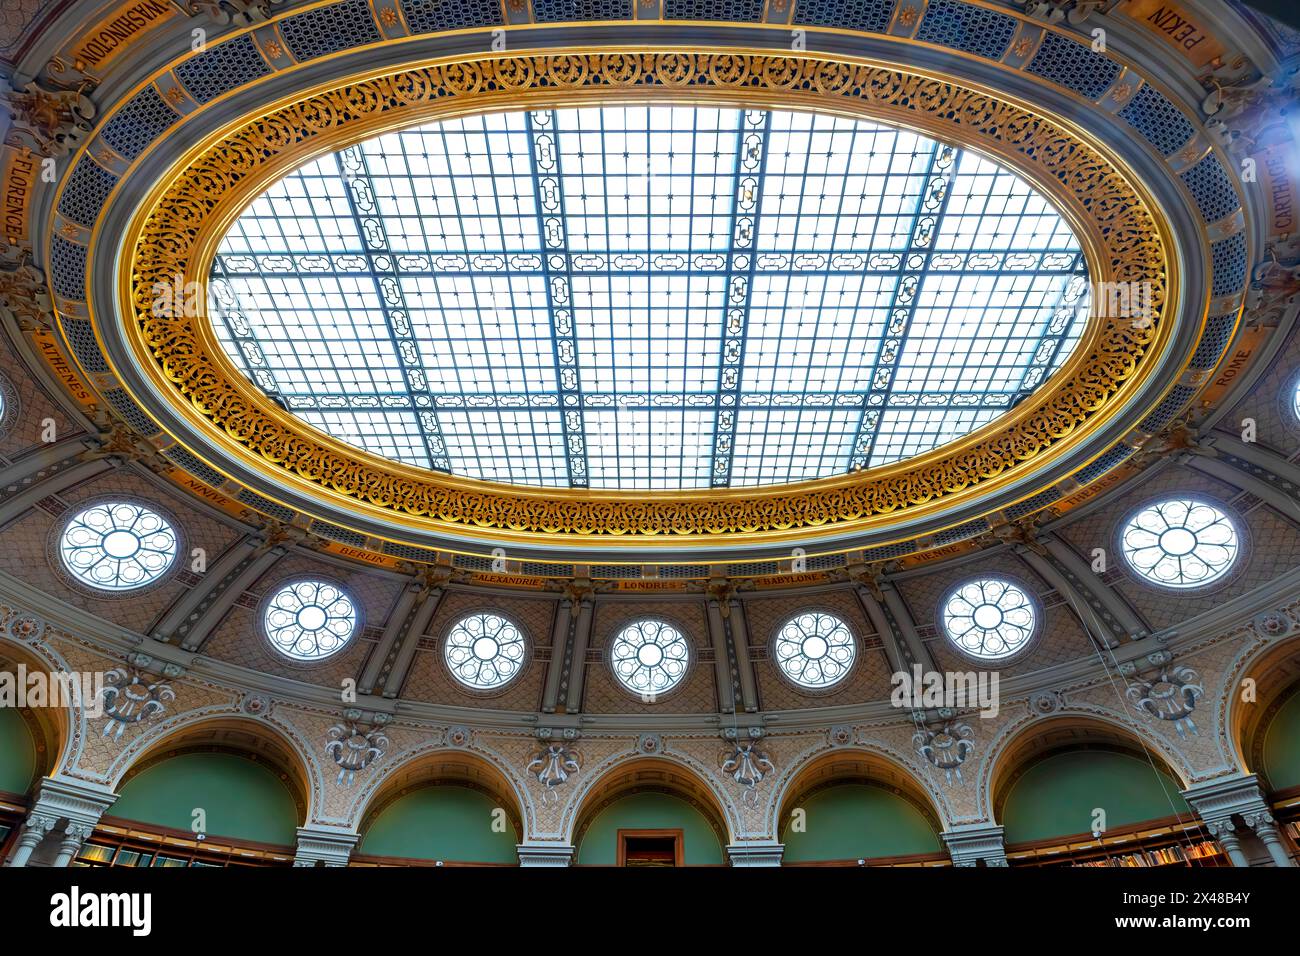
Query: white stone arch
{"x": 996, "y": 759}
{"x": 70, "y": 725}
{"x": 1232, "y": 717}
{"x": 367, "y": 794}
{"x": 593, "y": 776}
{"x": 221, "y": 716}
{"x": 873, "y": 748}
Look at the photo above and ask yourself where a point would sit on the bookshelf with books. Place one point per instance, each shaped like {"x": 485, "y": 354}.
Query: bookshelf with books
{"x": 118, "y": 843}
{"x": 1159, "y": 843}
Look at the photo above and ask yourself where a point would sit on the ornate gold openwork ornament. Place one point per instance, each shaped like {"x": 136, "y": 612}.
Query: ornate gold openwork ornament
{"x": 177, "y": 229}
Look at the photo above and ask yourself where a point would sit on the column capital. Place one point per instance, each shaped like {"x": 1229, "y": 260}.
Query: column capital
{"x": 78, "y": 801}
{"x": 545, "y": 854}
{"x": 1217, "y": 800}
{"x": 324, "y": 846}
{"x": 971, "y": 843}
{"x": 755, "y": 853}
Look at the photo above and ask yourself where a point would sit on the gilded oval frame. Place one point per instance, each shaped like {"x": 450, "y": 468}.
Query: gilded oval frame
{"x": 1111, "y": 212}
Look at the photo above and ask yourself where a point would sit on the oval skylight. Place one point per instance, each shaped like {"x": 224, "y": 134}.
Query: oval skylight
{"x": 649, "y": 296}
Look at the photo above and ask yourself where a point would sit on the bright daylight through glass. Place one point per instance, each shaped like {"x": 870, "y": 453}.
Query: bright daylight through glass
{"x": 649, "y": 297}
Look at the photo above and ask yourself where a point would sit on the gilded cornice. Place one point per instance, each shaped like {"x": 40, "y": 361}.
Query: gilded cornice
{"x": 176, "y": 230}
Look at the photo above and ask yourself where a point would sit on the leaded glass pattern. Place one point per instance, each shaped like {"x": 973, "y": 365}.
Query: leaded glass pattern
{"x": 117, "y": 546}
{"x": 989, "y": 618}
{"x": 484, "y": 651}
{"x": 649, "y": 657}
{"x": 1180, "y": 543}
{"x": 814, "y": 649}
{"x": 309, "y": 620}
{"x": 649, "y": 296}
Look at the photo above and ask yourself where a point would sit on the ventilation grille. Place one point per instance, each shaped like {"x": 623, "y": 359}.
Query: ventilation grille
{"x": 222, "y": 68}
{"x": 195, "y": 467}
{"x": 68, "y": 268}
{"x": 581, "y": 11}
{"x": 887, "y": 551}
{"x": 825, "y": 562}
{"x": 470, "y": 562}
{"x": 623, "y": 571}
{"x": 1073, "y": 66}
{"x": 431, "y": 16}
{"x": 1228, "y": 257}
{"x": 1030, "y": 505}
{"x": 138, "y": 123}
{"x": 1152, "y": 115}
{"x": 973, "y": 29}
{"x": 1164, "y": 413}
{"x": 749, "y": 568}
{"x": 87, "y": 188}
{"x": 870, "y": 16}
{"x": 265, "y": 505}
{"x": 1211, "y": 188}
{"x": 744, "y": 11}
{"x": 408, "y": 553}
{"x": 539, "y": 569}
{"x": 1103, "y": 464}
{"x": 679, "y": 571}
{"x": 1214, "y": 339}
{"x": 963, "y": 531}
{"x": 335, "y": 533}
{"x": 81, "y": 336}
{"x": 130, "y": 412}
{"x": 330, "y": 29}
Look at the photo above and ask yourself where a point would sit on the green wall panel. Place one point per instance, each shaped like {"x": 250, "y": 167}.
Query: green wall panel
{"x": 1282, "y": 746}
{"x": 17, "y": 752}
{"x": 441, "y": 823}
{"x": 242, "y": 798}
{"x": 857, "y": 822}
{"x": 650, "y": 811}
{"x": 1056, "y": 796}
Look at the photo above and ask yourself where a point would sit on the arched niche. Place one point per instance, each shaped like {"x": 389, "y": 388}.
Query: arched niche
{"x": 47, "y": 728}
{"x": 1052, "y": 778}
{"x": 848, "y": 806}
{"x": 1264, "y": 717}
{"x": 450, "y": 807}
{"x": 248, "y": 781}
{"x": 19, "y": 756}
{"x": 1278, "y": 745}
{"x": 648, "y": 805}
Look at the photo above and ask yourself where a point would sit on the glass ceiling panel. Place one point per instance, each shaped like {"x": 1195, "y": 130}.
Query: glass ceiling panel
{"x": 649, "y": 296}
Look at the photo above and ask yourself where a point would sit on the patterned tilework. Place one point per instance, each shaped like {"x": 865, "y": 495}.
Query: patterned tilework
{"x": 1098, "y": 530}
{"x": 576, "y": 11}
{"x": 1275, "y": 428}
{"x": 1073, "y": 66}
{"x": 222, "y": 68}
{"x": 429, "y": 680}
{"x": 869, "y": 679}
{"x": 696, "y": 693}
{"x": 85, "y": 192}
{"x": 339, "y": 26}
{"x": 430, "y": 16}
{"x": 871, "y": 16}
{"x": 24, "y": 433}
{"x": 137, "y": 124}
{"x": 25, "y": 554}
{"x": 239, "y": 640}
{"x": 1152, "y": 115}
{"x": 966, "y": 27}
{"x": 1061, "y": 637}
